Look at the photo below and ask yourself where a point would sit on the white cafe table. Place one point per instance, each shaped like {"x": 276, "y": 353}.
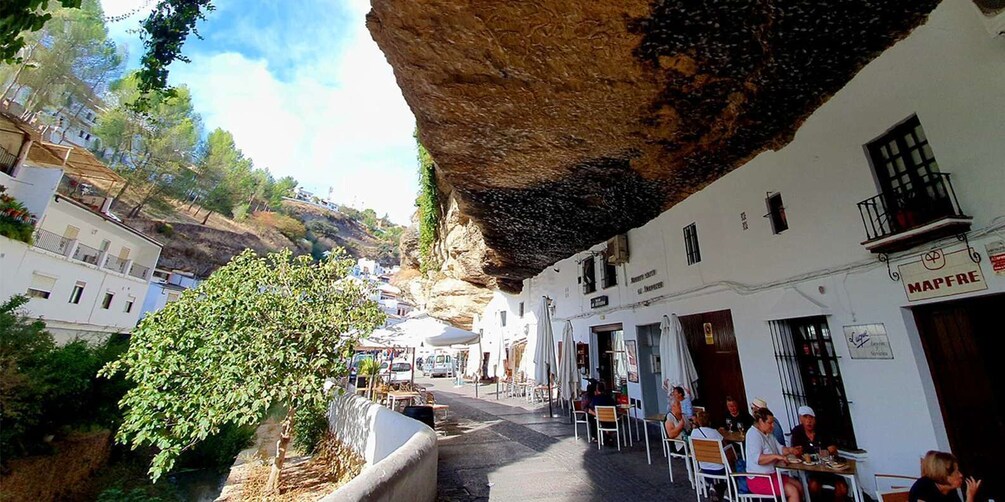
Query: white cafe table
{"x": 396, "y": 395}
{"x": 658, "y": 420}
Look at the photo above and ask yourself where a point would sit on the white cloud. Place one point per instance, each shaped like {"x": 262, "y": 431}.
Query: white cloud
{"x": 335, "y": 118}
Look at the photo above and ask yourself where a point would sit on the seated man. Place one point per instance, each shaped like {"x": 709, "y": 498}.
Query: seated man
{"x": 600, "y": 398}
{"x": 686, "y": 407}
{"x": 805, "y": 435}
{"x": 737, "y": 419}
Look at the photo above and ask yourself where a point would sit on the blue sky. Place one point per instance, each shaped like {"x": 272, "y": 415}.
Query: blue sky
{"x": 306, "y": 93}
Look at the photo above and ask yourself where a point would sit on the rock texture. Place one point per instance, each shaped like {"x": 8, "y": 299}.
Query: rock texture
{"x": 559, "y": 123}
{"x": 458, "y": 288}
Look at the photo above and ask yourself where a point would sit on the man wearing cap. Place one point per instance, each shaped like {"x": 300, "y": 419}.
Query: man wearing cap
{"x": 759, "y": 403}
{"x": 812, "y": 442}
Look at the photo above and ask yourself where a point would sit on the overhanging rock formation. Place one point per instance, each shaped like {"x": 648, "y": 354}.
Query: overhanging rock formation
{"x": 559, "y": 123}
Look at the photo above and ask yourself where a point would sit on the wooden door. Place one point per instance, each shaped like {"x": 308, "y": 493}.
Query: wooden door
{"x": 717, "y": 363}
{"x": 957, "y": 337}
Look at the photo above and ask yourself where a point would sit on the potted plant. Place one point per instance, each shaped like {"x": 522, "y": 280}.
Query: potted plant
{"x": 369, "y": 368}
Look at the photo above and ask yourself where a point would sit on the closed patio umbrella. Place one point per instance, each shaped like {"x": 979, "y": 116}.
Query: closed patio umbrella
{"x": 678, "y": 367}
{"x": 568, "y": 377}
{"x": 544, "y": 349}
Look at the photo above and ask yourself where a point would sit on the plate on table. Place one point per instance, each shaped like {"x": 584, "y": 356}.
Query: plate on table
{"x": 793, "y": 460}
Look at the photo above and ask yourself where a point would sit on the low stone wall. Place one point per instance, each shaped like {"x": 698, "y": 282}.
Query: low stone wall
{"x": 400, "y": 452}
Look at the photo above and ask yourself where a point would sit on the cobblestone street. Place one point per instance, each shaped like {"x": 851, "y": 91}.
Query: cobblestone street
{"x": 508, "y": 449}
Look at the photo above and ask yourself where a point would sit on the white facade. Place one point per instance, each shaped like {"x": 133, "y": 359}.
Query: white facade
{"x": 84, "y": 272}
{"x": 166, "y": 287}
{"x": 951, "y": 74}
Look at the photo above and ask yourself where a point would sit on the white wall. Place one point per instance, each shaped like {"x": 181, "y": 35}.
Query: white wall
{"x": 33, "y": 187}
{"x": 19, "y": 262}
{"x": 95, "y": 228}
{"x": 952, "y": 75}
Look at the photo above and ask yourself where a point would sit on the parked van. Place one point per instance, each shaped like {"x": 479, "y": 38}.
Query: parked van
{"x": 440, "y": 365}
{"x": 396, "y": 372}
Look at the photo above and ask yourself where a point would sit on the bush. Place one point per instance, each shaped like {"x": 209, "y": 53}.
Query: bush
{"x": 164, "y": 228}
{"x": 292, "y": 228}
{"x": 241, "y": 212}
{"x": 15, "y": 221}
{"x": 218, "y": 450}
{"x": 309, "y": 428}
{"x": 45, "y": 388}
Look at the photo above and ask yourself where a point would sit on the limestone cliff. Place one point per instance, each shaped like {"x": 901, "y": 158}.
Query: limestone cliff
{"x": 559, "y": 123}
{"x": 456, "y": 287}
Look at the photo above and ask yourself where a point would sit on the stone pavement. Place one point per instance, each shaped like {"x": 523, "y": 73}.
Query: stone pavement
{"x": 509, "y": 449}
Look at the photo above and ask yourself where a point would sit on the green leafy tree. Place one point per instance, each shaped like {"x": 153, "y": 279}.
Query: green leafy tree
{"x": 261, "y": 330}
{"x": 19, "y": 18}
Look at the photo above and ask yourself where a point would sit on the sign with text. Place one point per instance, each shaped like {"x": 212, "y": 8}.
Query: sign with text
{"x": 868, "y": 341}
{"x": 996, "y": 253}
{"x": 937, "y": 273}
{"x": 598, "y": 301}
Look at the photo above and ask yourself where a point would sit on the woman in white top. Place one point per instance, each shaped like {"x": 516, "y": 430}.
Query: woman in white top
{"x": 763, "y": 452}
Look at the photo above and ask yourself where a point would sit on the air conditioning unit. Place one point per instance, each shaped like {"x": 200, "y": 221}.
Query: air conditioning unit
{"x": 617, "y": 249}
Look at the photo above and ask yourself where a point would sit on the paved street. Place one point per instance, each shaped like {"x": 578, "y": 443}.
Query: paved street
{"x": 509, "y": 449}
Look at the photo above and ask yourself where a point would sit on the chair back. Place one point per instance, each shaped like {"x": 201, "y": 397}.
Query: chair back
{"x": 708, "y": 450}
{"x": 577, "y": 405}
{"x": 894, "y": 496}
{"x": 606, "y": 413}
{"x": 893, "y": 482}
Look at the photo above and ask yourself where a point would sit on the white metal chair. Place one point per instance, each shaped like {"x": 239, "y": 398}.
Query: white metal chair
{"x": 740, "y": 496}
{"x": 580, "y": 416}
{"x": 676, "y": 448}
{"x": 893, "y": 487}
{"x": 709, "y": 451}
{"x": 607, "y": 414}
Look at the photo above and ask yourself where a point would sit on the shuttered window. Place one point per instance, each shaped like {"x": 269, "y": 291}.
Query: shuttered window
{"x": 41, "y": 286}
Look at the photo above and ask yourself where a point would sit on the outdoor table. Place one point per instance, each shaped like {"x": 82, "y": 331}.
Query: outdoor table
{"x": 736, "y": 437}
{"x": 397, "y": 395}
{"x": 658, "y": 419}
{"x": 847, "y": 473}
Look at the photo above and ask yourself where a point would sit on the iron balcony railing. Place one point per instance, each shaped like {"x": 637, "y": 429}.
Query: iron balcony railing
{"x": 49, "y": 241}
{"x": 116, "y": 264}
{"x": 138, "y": 271}
{"x": 7, "y": 161}
{"x": 903, "y": 209}
{"x": 86, "y": 254}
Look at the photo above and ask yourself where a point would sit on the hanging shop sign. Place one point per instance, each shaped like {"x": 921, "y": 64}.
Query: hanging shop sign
{"x": 938, "y": 273}
{"x": 868, "y": 341}
{"x": 598, "y": 301}
{"x": 996, "y": 254}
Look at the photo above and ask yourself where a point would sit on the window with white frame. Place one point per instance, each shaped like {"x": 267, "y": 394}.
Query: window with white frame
{"x": 106, "y": 303}
{"x": 78, "y": 292}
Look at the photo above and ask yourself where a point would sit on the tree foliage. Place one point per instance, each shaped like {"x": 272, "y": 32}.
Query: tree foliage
{"x": 21, "y": 17}
{"x": 261, "y": 330}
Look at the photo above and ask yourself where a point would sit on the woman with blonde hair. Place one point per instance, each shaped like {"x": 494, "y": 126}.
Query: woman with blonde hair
{"x": 940, "y": 478}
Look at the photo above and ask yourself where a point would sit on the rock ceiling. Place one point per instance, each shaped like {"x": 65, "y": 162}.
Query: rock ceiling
{"x": 560, "y": 123}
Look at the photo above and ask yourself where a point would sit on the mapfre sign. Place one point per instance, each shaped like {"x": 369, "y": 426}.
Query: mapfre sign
{"x": 938, "y": 273}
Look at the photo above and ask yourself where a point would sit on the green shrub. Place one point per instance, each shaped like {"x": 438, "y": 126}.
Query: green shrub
{"x": 309, "y": 428}
{"x": 15, "y": 221}
{"x": 429, "y": 208}
{"x": 241, "y": 212}
{"x": 164, "y": 228}
{"x": 218, "y": 451}
{"x": 292, "y": 228}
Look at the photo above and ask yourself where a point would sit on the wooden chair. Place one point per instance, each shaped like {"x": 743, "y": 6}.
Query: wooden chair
{"x": 893, "y": 487}
{"x": 606, "y": 414}
{"x": 431, "y": 402}
{"x": 580, "y": 416}
{"x": 711, "y": 451}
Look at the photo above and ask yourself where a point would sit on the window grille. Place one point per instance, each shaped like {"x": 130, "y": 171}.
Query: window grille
{"x": 589, "y": 276}
{"x": 776, "y": 212}
{"x": 809, "y": 373}
{"x": 691, "y": 244}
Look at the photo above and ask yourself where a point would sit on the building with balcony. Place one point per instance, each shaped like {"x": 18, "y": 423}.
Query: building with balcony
{"x": 859, "y": 269}
{"x": 85, "y": 272}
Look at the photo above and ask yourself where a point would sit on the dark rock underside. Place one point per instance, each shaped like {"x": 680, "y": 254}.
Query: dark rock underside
{"x": 560, "y": 123}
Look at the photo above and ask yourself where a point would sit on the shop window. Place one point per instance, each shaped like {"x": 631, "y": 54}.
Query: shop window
{"x": 810, "y": 375}
{"x": 589, "y": 277}
{"x": 78, "y": 291}
{"x": 776, "y": 213}
{"x": 691, "y": 244}
{"x": 106, "y": 303}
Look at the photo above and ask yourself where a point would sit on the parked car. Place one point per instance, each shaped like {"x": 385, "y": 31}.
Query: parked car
{"x": 441, "y": 365}
{"x": 398, "y": 372}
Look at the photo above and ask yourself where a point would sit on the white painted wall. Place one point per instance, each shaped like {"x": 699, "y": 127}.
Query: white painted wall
{"x": 19, "y": 262}
{"x": 33, "y": 187}
{"x": 952, "y": 75}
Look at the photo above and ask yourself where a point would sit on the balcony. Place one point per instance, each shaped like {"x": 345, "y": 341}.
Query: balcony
{"x": 906, "y": 217}
{"x": 116, "y": 264}
{"x": 49, "y": 241}
{"x": 139, "y": 271}
{"x": 86, "y": 254}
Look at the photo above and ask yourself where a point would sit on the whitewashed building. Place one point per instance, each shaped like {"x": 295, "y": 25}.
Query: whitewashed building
{"x": 860, "y": 269}
{"x": 166, "y": 286}
{"x": 85, "y": 272}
